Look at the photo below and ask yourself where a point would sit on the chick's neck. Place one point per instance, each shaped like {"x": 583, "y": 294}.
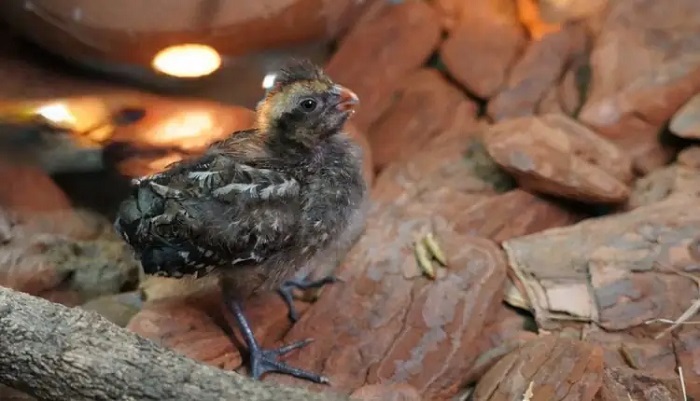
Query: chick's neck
{"x": 296, "y": 147}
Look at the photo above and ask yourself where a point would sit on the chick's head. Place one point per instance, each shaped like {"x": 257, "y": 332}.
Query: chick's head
{"x": 305, "y": 105}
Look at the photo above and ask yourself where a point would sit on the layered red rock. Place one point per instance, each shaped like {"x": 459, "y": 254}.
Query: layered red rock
{"x": 619, "y": 271}
{"x": 679, "y": 178}
{"x": 557, "y": 11}
{"x": 395, "y": 325}
{"x": 537, "y": 70}
{"x": 484, "y": 44}
{"x": 548, "y": 368}
{"x": 645, "y": 66}
{"x": 553, "y": 154}
{"x": 425, "y": 106}
{"x": 380, "y": 51}
{"x": 686, "y": 122}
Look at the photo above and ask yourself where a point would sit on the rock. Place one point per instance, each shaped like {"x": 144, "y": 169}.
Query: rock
{"x": 538, "y": 69}
{"x": 425, "y": 106}
{"x": 481, "y": 49}
{"x": 194, "y": 324}
{"x": 395, "y": 325}
{"x": 392, "y": 392}
{"x": 188, "y": 330}
{"x": 367, "y": 159}
{"x": 617, "y": 271}
{"x": 529, "y": 14}
{"x": 453, "y": 162}
{"x": 686, "y": 122}
{"x": 627, "y": 383}
{"x": 680, "y": 178}
{"x": 118, "y": 308}
{"x": 62, "y": 256}
{"x": 687, "y": 350}
{"x": 512, "y": 214}
{"x": 553, "y": 154}
{"x": 558, "y": 11}
{"x": 397, "y": 39}
{"x": 27, "y": 189}
{"x": 548, "y": 368}
{"x": 10, "y": 394}
{"x": 506, "y": 332}
{"x": 93, "y": 268}
{"x": 635, "y": 348}
{"x": 567, "y": 96}
{"x": 645, "y": 66}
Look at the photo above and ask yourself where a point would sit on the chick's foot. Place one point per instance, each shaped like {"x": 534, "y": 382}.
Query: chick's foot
{"x": 427, "y": 248}
{"x": 267, "y": 360}
{"x": 287, "y": 287}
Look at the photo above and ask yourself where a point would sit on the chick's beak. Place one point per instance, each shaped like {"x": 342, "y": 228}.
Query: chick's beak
{"x": 347, "y": 99}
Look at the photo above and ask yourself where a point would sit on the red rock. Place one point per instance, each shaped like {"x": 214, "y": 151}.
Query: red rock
{"x": 191, "y": 321}
{"x": 538, "y": 69}
{"x": 626, "y": 383}
{"x": 555, "y": 155}
{"x": 503, "y": 334}
{"x": 618, "y": 271}
{"x": 529, "y": 15}
{"x": 396, "y": 326}
{"x": 686, "y": 122}
{"x": 557, "y": 11}
{"x": 392, "y": 392}
{"x": 680, "y": 178}
{"x": 512, "y": 214}
{"x": 452, "y": 162}
{"x": 381, "y": 51}
{"x": 566, "y": 97}
{"x": 480, "y": 51}
{"x": 549, "y": 368}
{"x": 687, "y": 348}
{"x": 187, "y": 330}
{"x": 367, "y": 159}
{"x": 425, "y": 106}
{"x": 644, "y": 68}
{"x": 27, "y": 189}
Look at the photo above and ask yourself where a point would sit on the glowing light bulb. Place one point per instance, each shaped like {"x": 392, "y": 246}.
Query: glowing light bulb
{"x": 187, "y": 60}
{"x": 268, "y": 81}
{"x": 57, "y": 113}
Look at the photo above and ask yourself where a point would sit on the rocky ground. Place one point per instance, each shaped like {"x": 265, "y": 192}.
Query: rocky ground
{"x": 553, "y": 154}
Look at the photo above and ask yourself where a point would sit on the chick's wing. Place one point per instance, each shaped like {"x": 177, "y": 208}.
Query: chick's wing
{"x": 214, "y": 211}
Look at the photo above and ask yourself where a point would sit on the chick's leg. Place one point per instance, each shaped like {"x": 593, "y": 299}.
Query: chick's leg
{"x": 267, "y": 360}
{"x": 287, "y": 287}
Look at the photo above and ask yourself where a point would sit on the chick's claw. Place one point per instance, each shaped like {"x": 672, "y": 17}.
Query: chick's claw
{"x": 267, "y": 360}
{"x": 287, "y": 287}
{"x": 426, "y": 249}
{"x": 263, "y": 361}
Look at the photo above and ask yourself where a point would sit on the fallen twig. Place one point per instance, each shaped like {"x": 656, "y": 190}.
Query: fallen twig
{"x": 528, "y": 393}
{"x": 56, "y": 353}
{"x": 680, "y": 374}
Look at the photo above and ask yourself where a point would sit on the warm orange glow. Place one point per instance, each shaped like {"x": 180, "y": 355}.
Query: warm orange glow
{"x": 529, "y": 14}
{"x": 88, "y": 117}
{"x": 187, "y": 60}
{"x": 192, "y": 129}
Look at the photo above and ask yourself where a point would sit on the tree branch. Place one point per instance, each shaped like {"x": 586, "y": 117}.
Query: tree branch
{"x": 57, "y": 353}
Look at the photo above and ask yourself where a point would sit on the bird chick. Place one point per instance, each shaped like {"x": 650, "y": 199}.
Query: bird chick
{"x": 258, "y": 206}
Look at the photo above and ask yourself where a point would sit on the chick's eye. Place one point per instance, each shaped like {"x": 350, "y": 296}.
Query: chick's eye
{"x": 308, "y": 105}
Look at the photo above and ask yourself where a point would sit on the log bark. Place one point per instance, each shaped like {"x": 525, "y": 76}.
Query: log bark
{"x": 57, "y": 353}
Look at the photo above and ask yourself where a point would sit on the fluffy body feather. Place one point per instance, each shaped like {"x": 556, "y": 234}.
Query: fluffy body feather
{"x": 258, "y": 206}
